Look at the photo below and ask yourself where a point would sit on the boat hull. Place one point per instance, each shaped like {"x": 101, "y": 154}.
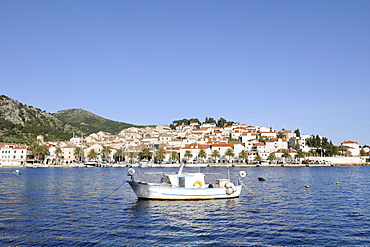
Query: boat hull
{"x": 156, "y": 192}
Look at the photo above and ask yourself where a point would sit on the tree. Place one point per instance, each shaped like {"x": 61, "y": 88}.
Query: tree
{"x": 221, "y": 122}
{"x": 105, "y": 152}
{"x": 244, "y": 156}
{"x": 160, "y": 154}
{"x": 39, "y": 150}
{"x": 299, "y": 155}
{"x": 78, "y": 153}
{"x": 202, "y": 154}
{"x": 92, "y": 155}
{"x": 281, "y": 135}
{"x": 215, "y": 154}
{"x": 188, "y": 155}
{"x": 229, "y": 153}
{"x": 176, "y": 123}
{"x": 145, "y": 154}
{"x": 194, "y": 120}
{"x": 343, "y": 150}
{"x": 331, "y": 150}
{"x": 119, "y": 155}
{"x": 209, "y": 120}
{"x": 258, "y": 158}
{"x": 297, "y": 133}
{"x": 58, "y": 151}
{"x": 271, "y": 157}
{"x": 132, "y": 155}
{"x": 175, "y": 156}
{"x": 286, "y": 155}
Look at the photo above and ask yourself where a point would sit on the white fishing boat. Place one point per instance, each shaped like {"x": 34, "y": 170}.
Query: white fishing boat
{"x": 186, "y": 186}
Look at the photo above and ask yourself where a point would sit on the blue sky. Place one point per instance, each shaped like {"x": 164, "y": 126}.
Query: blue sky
{"x": 281, "y": 64}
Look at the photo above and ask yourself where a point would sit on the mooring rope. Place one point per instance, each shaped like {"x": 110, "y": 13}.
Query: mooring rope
{"x": 114, "y": 191}
{"x": 247, "y": 189}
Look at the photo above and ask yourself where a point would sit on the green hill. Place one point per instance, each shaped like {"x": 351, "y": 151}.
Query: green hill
{"x": 20, "y": 123}
{"x": 91, "y": 123}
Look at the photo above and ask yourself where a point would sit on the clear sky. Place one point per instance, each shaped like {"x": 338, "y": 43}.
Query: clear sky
{"x": 282, "y": 64}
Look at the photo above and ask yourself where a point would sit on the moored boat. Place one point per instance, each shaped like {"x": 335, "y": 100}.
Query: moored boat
{"x": 91, "y": 163}
{"x": 186, "y": 186}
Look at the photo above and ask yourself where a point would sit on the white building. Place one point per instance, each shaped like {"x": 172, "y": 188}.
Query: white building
{"x": 14, "y": 154}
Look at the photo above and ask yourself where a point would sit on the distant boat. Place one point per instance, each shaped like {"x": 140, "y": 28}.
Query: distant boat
{"x": 185, "y": 186}
{"x": 91, "y": 163}
{"x": 39, "y": 165}
{"x": 144, "y": 163}
{"x": 197, "y": 165}
{"x": 16, "y": 172}
{"x": 76, "y": 164}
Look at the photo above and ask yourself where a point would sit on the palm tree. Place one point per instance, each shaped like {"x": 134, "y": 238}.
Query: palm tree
{"x": 175, "y": 156}
{"x": 286, "y": 155}
{"x": 258, "y": 158}
{"x": 58, "y": 151}
{"x": 244, "y": 156}
{"x": 92, "y": 155}
{"x": 188, "y": 155}
{"x": 120, "y": 155}
{"x": 281, "y": 135}
{"x": 271, "y": 157}
{"x": 78, "y": 153}
{"x": 343, "y": 150}
{"x": 202, "y": 154}
{"x": 132, "y": 155}
{"x": 39, "y": 150}
{"x": 229, "y": 153}
{"x": 145, "y": 154}
{"x": 160, "y": 154}
{"x": 105, "y": 152}
{"x": 299, "y": 155}
{"x": 215, "y": 154}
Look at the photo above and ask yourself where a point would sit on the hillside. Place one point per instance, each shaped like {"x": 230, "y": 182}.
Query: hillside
{"x": 91, "y": 123}
{"x": 21, "y": 123}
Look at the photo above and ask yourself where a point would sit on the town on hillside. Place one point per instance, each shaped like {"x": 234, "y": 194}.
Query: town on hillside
{"x": 195, "y": 143}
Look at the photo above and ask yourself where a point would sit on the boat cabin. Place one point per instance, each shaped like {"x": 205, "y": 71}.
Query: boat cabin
{"x": 186, "y": 180}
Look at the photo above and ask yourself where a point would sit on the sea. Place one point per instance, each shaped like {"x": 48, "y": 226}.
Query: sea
{"x": 294, "y": 206}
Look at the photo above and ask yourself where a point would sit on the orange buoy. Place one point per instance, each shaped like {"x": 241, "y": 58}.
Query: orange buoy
{"x": 102, "y": 174}
{"x": 307, "y": 186}
{"x": 337, "y": 182}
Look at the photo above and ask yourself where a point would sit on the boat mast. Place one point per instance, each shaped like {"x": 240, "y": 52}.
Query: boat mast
{"x": 181, "y": 167}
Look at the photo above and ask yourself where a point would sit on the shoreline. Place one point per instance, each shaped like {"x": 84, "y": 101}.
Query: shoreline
{"x": 209, "y": 165}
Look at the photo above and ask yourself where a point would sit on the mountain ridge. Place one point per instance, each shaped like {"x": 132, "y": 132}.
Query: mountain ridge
{"x": 21, "y": 123}
{"x": 90, "y": 122}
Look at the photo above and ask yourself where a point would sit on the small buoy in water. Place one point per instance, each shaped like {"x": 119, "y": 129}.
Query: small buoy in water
{"x": 337, "y": 182}
{"x": 307, "y": 186}
{"x": 24, "y": 173}
{"x": 102, "y": 174}
{"x": 261, "y": 179}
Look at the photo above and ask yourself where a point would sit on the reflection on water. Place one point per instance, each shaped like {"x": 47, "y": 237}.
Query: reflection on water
{"x": 56, "y": 206}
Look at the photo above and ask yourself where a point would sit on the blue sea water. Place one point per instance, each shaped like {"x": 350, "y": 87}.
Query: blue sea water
{"x": 83, "y": 207}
